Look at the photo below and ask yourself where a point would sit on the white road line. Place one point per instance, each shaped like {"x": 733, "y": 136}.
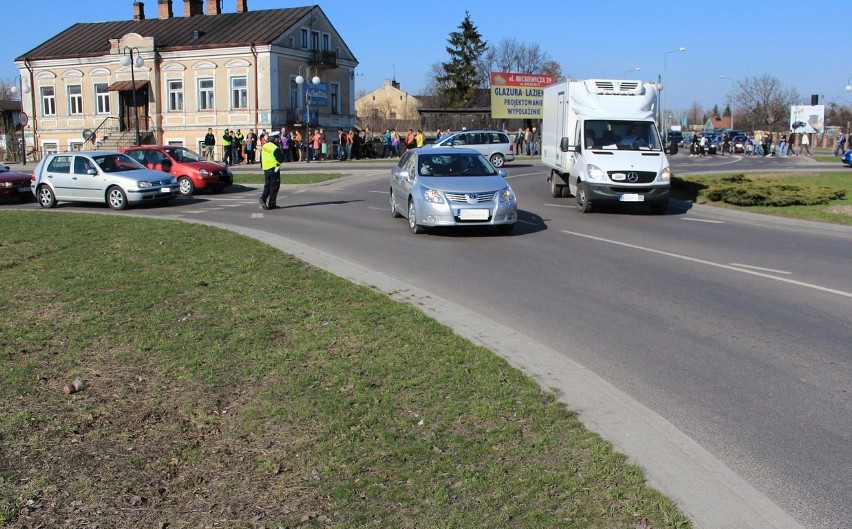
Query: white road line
{"x": 257, "y": 215}
{"x": 561, "y": 205}
{"x": 711, "y": 263}
{"x": 704, "y": 220}
{"x": 382, "y": 192}
{"x": 528, "y": 222}
{"x": 763, "y": 269}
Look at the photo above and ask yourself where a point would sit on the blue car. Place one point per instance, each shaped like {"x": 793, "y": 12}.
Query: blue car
{"x": 847, "y": 158}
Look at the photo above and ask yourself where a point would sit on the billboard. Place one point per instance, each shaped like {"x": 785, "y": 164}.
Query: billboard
{"x": 807, "y": 118}
{"x": 518, "y": 95}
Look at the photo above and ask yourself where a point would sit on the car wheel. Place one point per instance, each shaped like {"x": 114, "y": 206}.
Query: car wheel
{"x": 412, "y": 219}
{"x": 116, "y": 198}
{"x": 185, "y": 186}
{"x": 659, "y": 208}
{"x": 46, "y": 198}
{"x": 583, "y": 203}
{"x": 505, "y": 229}
{"x": 555, "y": 189}
{"x": 566, "y": 191}
{"x": 394, "y": 213}
{"x": 497, "y": 160}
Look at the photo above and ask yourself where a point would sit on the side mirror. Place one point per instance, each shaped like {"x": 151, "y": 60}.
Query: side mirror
{"x": 565, "y": 145}
{"x": 91, "y": 171}
{"x": 502, "y": 172}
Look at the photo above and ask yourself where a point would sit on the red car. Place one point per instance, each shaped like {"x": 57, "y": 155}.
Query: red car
{"x": 193, "y": 172}
{"x": 15, "y": 185}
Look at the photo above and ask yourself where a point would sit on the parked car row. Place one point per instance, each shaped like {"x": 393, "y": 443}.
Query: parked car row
{"x": 136, "y": 175}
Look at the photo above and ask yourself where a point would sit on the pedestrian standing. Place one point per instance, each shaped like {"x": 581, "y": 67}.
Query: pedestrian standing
{"x": 251, "y": 146}
{"x": 806, "y": 144}
{"x": 209, "y": 145}
{"x": 226, "y": 148}
{"x": 271, "y": 157}
{"x": 841, "y": 143}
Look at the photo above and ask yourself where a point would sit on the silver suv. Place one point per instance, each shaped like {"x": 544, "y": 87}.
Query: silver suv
{"x": 493, "y": 144}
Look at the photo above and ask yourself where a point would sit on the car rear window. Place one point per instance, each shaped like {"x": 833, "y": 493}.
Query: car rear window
{"x": 60, "y": 164}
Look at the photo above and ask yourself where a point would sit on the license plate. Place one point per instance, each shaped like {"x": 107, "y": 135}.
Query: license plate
{"x": 165, "y": 190}
{"x": 24, "y": 190}
{"x": 632, "y": 197}
{"x": 474, "y": 214}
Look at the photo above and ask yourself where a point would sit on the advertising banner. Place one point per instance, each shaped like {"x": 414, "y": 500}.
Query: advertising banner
{"x": 807, "y": 118}
{"x": 518, "y": 95}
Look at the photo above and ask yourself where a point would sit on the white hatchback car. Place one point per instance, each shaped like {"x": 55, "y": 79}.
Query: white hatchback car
{"x": 493, "y": 144}
{"x": 99, "y": 176}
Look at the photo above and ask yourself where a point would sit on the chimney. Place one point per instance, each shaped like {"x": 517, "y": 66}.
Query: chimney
{"x": 193, "y": 8}
{"x": 242, "y": 6}
{"x": 164, "y": 9}
{"x": 214, "y": 7}
{"x": 138, "y": 11}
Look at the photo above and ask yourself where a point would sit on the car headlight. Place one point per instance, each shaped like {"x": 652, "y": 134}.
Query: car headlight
{"x": 204, "y": 172}
{"x": 229, "y": 173}
{"x": 173, "y": 180}
{"x": 144, "y": 184}
{"x": 6, "y": 184}
{"x": 665, "y": 175}
{"x": 507, "y": 195}
{"x": 595, "y": 172}
{"x": 432, "y": 195}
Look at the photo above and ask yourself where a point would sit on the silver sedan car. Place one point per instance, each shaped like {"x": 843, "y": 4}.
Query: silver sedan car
{"x": 99, "y": 176}
{"x": 451, "y": 187}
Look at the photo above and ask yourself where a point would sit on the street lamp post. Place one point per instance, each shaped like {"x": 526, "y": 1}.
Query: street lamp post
{"x": 128, "y": 60}
{"x": 631, "y": 71}
{"x": 665, "y": 61}
{"x": 300, "y": 81}
{"x": 24, "y": 89}
{"x": 849, "y": 84}
{"x": 730, "y": 98}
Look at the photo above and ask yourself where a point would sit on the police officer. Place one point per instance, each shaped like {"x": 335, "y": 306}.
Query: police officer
{"x": 226, "y": 148}
{"x": 271, "y": 157}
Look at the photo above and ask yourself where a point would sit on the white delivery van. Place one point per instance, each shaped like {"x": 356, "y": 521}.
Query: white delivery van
{"x": 600, "y": 142}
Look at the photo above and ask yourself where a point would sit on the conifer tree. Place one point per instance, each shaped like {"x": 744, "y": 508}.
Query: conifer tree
{"x": 460, "y": 78}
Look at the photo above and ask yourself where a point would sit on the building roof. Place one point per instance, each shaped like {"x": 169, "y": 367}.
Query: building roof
{"x": 92, "y": 39}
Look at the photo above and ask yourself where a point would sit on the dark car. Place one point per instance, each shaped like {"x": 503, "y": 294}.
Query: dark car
{"x": 738, "y": 143}
{"x": 847, "y": 158}
{"x": 15, "y": 185}
{"x": 193, "y": 172}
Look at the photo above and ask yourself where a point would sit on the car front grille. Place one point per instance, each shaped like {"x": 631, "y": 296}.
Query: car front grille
{"x": 472, "y": 198}
{"x": 643, "y": 177}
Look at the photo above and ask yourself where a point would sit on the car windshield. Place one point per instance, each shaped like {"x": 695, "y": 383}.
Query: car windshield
{"x": 454, "y": 165}
{"x": 114, "y": 163}
{"x": 184, "y": 155}
{"x": 621, "y": 135}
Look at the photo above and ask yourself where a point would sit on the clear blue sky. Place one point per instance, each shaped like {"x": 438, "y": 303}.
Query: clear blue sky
{"x": 807, "y": 45}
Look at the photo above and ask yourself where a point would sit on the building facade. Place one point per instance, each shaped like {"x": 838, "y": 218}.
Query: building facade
{"x": 174, "y": 77}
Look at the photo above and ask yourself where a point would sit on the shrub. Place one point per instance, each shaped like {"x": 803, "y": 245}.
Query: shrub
{"x": 739, "y": 190}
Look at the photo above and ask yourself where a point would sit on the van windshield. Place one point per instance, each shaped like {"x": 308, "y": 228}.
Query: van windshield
{"x": 621, "y": 135}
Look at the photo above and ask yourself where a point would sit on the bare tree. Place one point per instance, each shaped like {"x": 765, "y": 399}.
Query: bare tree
{"x": 6, "y": 91}
{"x": 696, "y": 114}
{"x": 765, "y": 102}
{"x": 510, "y": 55}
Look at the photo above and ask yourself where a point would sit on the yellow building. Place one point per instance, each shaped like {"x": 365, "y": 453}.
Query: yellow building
{"x": 215, "y": 70}
{"x": 387, "y": 105}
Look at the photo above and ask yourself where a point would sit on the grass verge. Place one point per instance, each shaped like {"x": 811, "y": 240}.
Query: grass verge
{"x": 287, "y": 178}
{"x": 227, "y": 384}
{"x": 778, "y": 187}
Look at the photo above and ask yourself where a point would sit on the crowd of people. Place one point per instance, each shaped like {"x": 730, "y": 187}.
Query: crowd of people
{"x": 763, "y": 143}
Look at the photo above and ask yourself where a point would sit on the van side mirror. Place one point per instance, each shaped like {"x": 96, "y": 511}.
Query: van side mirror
{"x": 565, "y": 145}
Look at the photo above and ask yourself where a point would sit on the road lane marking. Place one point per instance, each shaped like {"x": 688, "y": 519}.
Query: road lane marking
{"x": 711, "y": 263}
{"x": 561, "y": 205}
{"x": 763, "y": 269}
{"x": 704, "y": 220}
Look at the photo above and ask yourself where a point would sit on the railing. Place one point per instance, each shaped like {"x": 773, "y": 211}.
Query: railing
{"x": 323, "y": 59}
{"x": 107, "y": 126}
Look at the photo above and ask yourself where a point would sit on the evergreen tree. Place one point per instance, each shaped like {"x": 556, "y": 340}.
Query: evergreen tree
{"x": 460, "y": 78}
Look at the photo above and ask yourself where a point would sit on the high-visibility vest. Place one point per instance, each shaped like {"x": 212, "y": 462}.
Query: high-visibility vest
{"x": 267, "y": 156}
{"x": 226, "y": 140}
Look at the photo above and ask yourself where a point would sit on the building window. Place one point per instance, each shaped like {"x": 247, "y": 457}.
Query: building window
{"x": 175, "y": 89}
{"x": 101, "y": 98}
{"x": 239, "y": 93}
{"x": 334, "y": 95}
{"x": 295, "y": 100}
{"x": 205, "y": 94}
{"x": 75, "y": 100}
{"x": 75, "y": 146}
{"x": 315, "y": 40}
{"x": 48, "y": 101}
{"x": 326, "y": 42}
{"x": 52, "y": 148}
{"x": 304, "y": 35}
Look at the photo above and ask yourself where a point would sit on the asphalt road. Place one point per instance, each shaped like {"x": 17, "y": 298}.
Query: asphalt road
{"x": 728, "y": 334}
